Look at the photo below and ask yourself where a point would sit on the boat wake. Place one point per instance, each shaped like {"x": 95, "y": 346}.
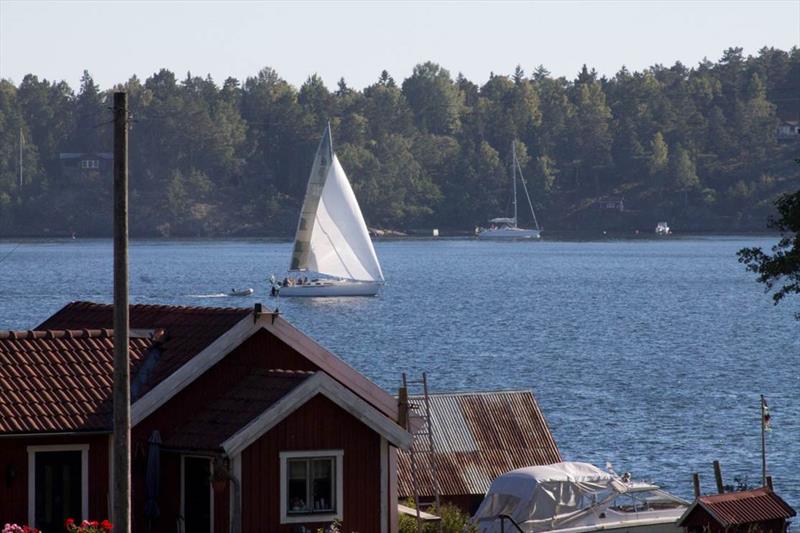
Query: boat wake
{"x": 215, "y": 295}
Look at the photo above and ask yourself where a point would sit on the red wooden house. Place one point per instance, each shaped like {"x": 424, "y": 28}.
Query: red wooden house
{"x": 240, "y": 422}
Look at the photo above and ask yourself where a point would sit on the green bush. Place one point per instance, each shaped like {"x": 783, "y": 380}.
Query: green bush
{"x": 454, "y": 520}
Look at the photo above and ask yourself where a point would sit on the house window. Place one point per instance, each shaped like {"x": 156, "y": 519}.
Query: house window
{"x": 58, "y": 485}
{"x": 90, "y": 163}
{"x": 311, "y": 486}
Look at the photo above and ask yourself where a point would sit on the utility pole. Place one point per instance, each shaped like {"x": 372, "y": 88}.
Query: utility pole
{"x": 122, "y": 392}
{"x": 763, "y": 442}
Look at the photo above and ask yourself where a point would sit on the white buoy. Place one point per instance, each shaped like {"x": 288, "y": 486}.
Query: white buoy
{"x": 435, "y": 232}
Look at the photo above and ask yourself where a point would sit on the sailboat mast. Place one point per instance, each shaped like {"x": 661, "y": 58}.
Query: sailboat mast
{"x": 21, "y": 141}
{"x": 514, "y": 177}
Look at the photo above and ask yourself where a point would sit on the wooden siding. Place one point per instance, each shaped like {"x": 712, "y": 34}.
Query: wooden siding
{"x": 262, "y": 350}
{"x": 318, "y": 425}
{"x": 14, "y": 492}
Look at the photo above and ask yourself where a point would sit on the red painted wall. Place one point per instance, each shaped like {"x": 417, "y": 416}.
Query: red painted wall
{"x": 262, "y": 350}
{"x": 14, "y": 492}
{"x": 318, "y": 425}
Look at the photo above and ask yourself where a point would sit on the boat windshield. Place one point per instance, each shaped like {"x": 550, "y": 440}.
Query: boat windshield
{"x": 645, "y": 500}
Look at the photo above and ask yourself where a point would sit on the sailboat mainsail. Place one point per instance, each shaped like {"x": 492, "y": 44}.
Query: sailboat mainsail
{"x": 332, "y": 237}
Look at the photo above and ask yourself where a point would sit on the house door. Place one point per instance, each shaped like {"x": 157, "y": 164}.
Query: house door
{"x": 197, "y": 494}
{"x": 58, "y": 489}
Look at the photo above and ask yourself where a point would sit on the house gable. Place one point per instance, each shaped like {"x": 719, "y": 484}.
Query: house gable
{"x": 315, "y": 354}
{"x": 318, "y": 425}
{"x": 320, "y": 384}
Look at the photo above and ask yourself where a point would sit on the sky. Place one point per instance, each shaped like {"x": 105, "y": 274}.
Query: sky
{"x": 113, "y": 40}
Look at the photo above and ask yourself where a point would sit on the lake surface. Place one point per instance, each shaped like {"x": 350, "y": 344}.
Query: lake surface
{"x": 650, "y": 354}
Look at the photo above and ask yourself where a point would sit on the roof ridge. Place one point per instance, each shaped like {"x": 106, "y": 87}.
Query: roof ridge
{"x": 83, "y": 304}
{"x": 475, "y": 393}
{"x": 56, "y": 334}
{"x": 735, "y": 495}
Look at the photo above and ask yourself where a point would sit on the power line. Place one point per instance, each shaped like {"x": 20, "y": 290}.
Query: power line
{"x": 11, "y": 252}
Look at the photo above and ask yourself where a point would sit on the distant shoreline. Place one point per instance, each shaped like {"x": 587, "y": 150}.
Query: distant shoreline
{"x": 555, "y": 236}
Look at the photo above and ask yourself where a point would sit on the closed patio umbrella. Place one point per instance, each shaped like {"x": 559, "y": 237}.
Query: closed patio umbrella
{"x": 153, "y": 476}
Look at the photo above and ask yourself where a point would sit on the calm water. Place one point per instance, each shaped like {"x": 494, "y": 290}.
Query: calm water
{"x": 648, "y": 354}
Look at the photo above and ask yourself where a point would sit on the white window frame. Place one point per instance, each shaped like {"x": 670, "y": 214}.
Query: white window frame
{"x": 210, "y": 488}
{"x": 33, "y": 450}
{"x": 338, "y": 455}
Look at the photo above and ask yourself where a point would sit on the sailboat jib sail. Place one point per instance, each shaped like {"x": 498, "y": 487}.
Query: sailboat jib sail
{"x": 340, "y": 243}
{"x": 332, "y": 237}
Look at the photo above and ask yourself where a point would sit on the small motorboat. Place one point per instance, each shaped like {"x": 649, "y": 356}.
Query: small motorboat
{"x": 241, "y": 292}
{"x": 572, "y": 497}
{"x": 662, "y": 228}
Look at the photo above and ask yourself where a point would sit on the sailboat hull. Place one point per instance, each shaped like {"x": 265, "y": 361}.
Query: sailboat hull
{"x": 510, "y": 233}
{"x": 332, "y": 288}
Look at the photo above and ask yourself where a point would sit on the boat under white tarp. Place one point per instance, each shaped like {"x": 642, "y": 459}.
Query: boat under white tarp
{"x": 576, "y": 497}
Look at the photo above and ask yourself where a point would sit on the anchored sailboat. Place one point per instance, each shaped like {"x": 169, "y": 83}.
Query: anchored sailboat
{"x": 333, "y": 254}
{"x": 506, "y": 228}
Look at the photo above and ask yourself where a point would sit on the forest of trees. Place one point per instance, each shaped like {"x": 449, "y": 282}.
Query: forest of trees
{"x": 694, "y": 146}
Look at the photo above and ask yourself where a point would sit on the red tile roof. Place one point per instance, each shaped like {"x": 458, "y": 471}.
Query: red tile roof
{"x": 188, "y": 329}
{"x": 220, "y": 418}
{"x": 54, "y": 381}
{"x": 477, "y": 437}
{"x": 745, "y": 507}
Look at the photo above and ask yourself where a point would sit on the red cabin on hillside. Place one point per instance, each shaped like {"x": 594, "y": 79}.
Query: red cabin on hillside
{"x": 240, "y": 423}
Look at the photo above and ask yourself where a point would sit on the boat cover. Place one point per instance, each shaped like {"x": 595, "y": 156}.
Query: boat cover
{"x": 503, "y": 220}
{"x": 546, "y": 494}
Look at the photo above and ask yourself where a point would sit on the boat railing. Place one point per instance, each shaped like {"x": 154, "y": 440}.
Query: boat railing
{"x": 503, "y": 518}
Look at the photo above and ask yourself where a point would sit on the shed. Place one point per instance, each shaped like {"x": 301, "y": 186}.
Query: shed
{"x": 477, "y": 437}
{"x": 788, "y": 130}
{"x": 74, "y": 164}
{"x": 752, "y": 510}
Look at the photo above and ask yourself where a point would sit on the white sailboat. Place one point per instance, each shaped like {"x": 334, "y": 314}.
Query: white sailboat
{"x": 333, "y": 254}
{"x": 507, "y": 228}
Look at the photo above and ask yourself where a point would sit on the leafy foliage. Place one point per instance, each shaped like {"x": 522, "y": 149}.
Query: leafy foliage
{"x": 696, "y": 146}
{"x": 783, "y": 266}
{"x": 454, "y": 520}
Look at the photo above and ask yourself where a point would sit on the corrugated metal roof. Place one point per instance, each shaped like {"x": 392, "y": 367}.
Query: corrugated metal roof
{"x": 745, "y": 507}
{"x": 477, "y": 437}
